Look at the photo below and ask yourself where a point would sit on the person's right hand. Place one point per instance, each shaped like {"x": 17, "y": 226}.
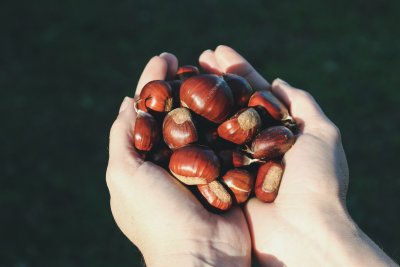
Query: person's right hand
{"x": 308, "y": 224}
{"x": 158, "y": 213}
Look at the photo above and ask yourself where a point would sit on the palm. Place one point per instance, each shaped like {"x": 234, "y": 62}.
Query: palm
{"x": 177, "y": 214}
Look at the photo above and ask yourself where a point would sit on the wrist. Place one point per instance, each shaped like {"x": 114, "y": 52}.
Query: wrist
{"x": 323, "y": 235}
{"x": 197, "y": 253}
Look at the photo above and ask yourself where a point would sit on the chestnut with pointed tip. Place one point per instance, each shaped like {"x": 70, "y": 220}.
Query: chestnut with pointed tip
{"x": 268, "y": 179}
{"x": 207, "y": 95}
{"x": 242, "y": 127}
{"x": 272, "y": 105}
{"x": 145, "y": 133}
{"x": 216, "y": 195}
{"x": 187, "y": 71}
{"x": 271, "y": 143}
{"x": 240, "y": 182}
{"x": 178, "y": 128}
{"x": 241, "y": 89}
{"x": 157, "y": 96}
{"x": 193, "y": 164}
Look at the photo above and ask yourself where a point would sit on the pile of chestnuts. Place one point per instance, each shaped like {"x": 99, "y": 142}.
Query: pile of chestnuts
{"x": 216, "y": 134}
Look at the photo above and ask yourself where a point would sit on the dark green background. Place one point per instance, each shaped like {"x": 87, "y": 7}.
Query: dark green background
{"x": 65, "y": 66}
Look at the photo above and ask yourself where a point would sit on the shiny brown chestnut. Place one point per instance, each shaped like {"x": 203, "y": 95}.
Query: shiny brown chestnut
{"x": 178, "y": 128}
{"x": 271, "y": 143}
{"x": 235, "y": 158}
{"x": 272, "y": 105}
{"x": 241, "y": 89}
{"x": 268, "y": 179}
{"x": 240, "y": 182}
{"x": 194, "y": 164}
{"x": 216, "y": 195}
{"x": 207, "y": 95}
{"x": 157, "y": 96}
{"x": 145, "y": 133}
{"x": 187, "y": 71}
{"x": 242, "y": 127}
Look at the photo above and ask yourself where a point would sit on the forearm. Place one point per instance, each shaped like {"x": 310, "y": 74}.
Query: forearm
{"x": 326, "y": 236}
{"x": 352, "y": 247}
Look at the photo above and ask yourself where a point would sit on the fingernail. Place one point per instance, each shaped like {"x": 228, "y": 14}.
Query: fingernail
{"x": 164, "y": 54}
{"x": 124, "y": 104}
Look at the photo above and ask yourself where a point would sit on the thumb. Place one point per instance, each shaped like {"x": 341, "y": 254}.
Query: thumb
{"x": 304, "y": 109}
{"x": 121, "y": 149}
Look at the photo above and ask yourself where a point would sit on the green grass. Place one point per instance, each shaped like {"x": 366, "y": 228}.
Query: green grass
{"x": 65, "y": 66}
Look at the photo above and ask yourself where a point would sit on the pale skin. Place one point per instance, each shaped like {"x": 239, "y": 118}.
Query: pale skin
{"x": 307, "y": 225}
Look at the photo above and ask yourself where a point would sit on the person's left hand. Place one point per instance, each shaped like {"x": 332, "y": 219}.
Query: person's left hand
{"x": 156, "y": 212}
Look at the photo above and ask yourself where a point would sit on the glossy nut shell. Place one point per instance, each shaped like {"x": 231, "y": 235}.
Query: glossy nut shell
{"x": 268, "y": 179}
{"x": 216, "y": 195}
{"x": 194, "y": 164}
{"x": 179, "y": 129}
{"x": 187, "y": 71}
{"x": 240, "y": 182}
{"x": 157, "y": 96}
{"x": 242, "y": 127}
{"x": 272, "y": 105}
{"x": 240, "y": 87}
{"x": 145, "y": 133}
{"x": 272, "y": 142}
{"x": 207, "y": 95}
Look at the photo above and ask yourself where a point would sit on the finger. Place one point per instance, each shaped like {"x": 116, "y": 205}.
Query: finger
{"x": 156, "y": 69}
{"x": 302, "y": 106}
{"x": 231, "y": 61}
{"x": 209, "y": 63}
{"x": 172, "y": 63}
{"x": 121, "y": 149}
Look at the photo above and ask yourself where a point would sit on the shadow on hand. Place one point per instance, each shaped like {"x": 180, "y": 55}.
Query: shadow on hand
{"x": 269, "y": 260}
{"x": 207, "y": 68}
{"x": 216, "y": 261}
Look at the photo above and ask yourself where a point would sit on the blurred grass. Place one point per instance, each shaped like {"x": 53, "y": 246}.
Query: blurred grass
{"x": 65, "y": 66}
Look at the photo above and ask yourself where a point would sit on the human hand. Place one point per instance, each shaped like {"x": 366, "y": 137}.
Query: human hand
{"x": 157, "y": 213}
{"x": 308, "y": 224}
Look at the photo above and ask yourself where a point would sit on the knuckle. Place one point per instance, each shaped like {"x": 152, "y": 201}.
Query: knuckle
{"x": 109, "y": 174}
{"x": 114, "y": 126}
{"x": 304, "y": 94}
{"x": 333, "y": 131}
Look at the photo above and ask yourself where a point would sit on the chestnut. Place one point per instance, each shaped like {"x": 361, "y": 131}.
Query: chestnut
{"x": 268, "y": 179}
{"x": 272, "y": 105}
{"x": 271, "y": 143}
{"x": 242, "y": 127}
{"x": 241, "y": 89}
{"x": 157, "y": 96}
{"x": 187, "y": 71}
{"x": 178, "y": 128}
{"x": 216, "y": 195}
{"x": 240, "y": 182}
{"x": 194, "y": 164}
{"x": 145, "y": 133}
{"x": 235, "y": 158}
{"x": 207, "y": 95}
